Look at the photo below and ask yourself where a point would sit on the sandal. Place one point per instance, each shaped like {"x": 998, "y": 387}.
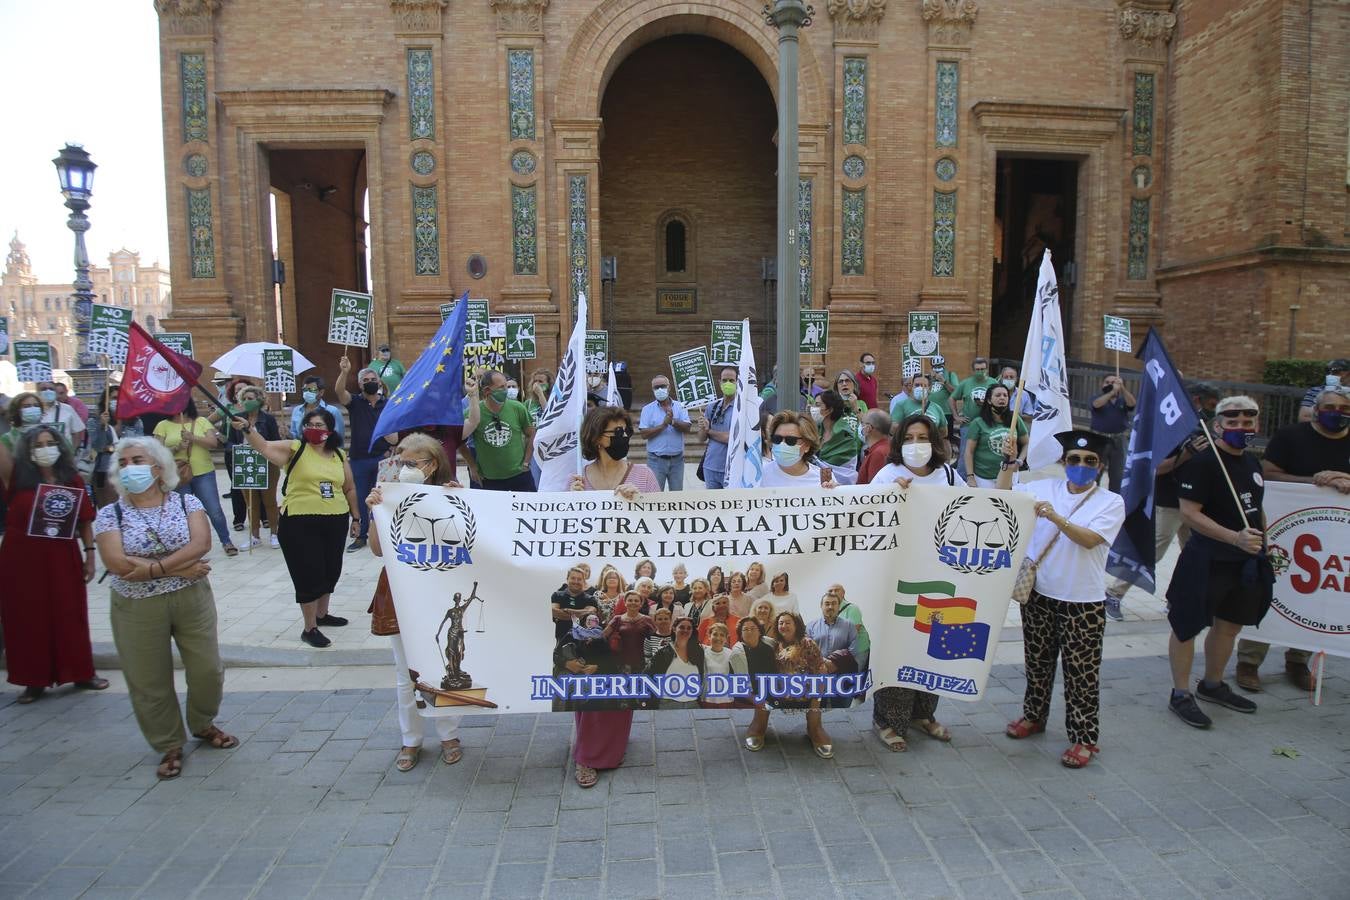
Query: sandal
{"x": 93, "y": 684}
{"x": 170, "y": 765}
{"x": 586, "y": 776}
{"x": 30, "y": 695}
{"x": 407, "y": 758}
{"x": 934, "y": 729}
{"x": 754, "y": 742}
{"x": 893, "y": 741}
{"x": 451, "y": 752}
{"x": 217, "y": 738}
{"x": 1022, "y": 728}
{"x": 1079, "y": 755}
{"x": 231, "y": 550}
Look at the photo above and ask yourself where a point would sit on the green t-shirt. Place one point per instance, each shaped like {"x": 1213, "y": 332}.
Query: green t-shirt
{"x": 972, "y": 391}
{"x": 391, "y": 375}
{"x": 499, "y": 440}
{"x": 988, "y": 441}
{"x": 942, "y": 388}
{"x": 931, "y": 408}
{"x": 851, "y": 613}
{"x": 844, "y": 443}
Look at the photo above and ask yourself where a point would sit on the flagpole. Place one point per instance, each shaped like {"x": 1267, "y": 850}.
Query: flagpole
{"x": 1226, "y": 477}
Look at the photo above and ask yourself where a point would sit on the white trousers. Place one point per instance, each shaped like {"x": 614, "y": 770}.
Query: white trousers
{"x": 410, "y": 719}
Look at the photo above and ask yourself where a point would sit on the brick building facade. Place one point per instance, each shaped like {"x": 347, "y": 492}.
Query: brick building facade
{"x": 1185, "y": 160}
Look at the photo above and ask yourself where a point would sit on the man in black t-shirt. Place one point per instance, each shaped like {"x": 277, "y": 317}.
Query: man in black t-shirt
{"x": 1316, "y": 452}
{"x": 1222, "y": 580}
{"x": 574, "y": 599}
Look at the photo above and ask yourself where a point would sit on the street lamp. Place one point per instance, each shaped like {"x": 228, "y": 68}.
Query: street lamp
{"x": 76, "y": 172}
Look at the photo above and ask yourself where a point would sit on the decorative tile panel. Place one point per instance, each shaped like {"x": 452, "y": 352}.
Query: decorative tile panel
{"x": 855, "y": 167}
{"x": 944, "y": 234}
{"x": 1137, "y": 267}
{"x": 1143, "y": 113}
{"x": 192, "y": 85}
{"x": 853, "y": 247}
{"x": 426, "y": 231}
{"x": 524, "y": 231}
{"x": 201, "y": 234}
{"x": 520, "y": 68}
{"x": 578, "y": 238}
{"x": 806, "y": 296}
{"x": 423, "y": 162}
{"x": 855, "y": 100}
{"x": 522, "y": 162}
{"x": 421, "y": 95}
{"x": 945, "y": 168}
{"x": 195, "y": 165}
{"x": 948, "y": 93}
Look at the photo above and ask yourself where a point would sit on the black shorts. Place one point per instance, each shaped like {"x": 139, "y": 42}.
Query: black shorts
{"x": 1227, "y": 598}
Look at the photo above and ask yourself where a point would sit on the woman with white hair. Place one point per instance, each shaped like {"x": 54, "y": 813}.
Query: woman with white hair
{"x": 152, "y": 541}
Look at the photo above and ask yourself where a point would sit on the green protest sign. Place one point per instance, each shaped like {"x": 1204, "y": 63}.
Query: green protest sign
{"x": 910, "y": 365}
{"x": 108, "y": 333}
{"x": 726, "y": 343}
{"x": 279, "y": 371}
{"x": 693, "y": 377}
{"x": 1117, "y": 334}
{"x": 446, "y": 310}
{"x": 490, "y": 354}
{"x": 33, "y": 360}
{"x": 477, "y": 328}
{"x": 923, "y": 333}
{"x": 815, "y": 324}
{"x": 349, "y": 318}
{"x": 520, "y": 342}
{"x": 4, "y": 336}
{"x": 250, "y": 470}
{"x": 597, "y": 352}
{"x": 177, "y": 341}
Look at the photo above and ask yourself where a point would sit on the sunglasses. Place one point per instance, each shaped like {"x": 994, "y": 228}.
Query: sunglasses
{"x": 790, "y": 440}
{"x": 1238, "y": 413}
{"x": 617, "y": 432}
{"x": 1076, "y": 459}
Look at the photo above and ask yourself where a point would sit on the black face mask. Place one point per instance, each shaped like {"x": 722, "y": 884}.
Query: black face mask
{"x": 618, "y": 446}
{"x": 370, "y": 387}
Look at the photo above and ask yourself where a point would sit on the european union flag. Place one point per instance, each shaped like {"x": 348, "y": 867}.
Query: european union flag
{"x": 432, "y": 392}
{"x": 969, "y": 640}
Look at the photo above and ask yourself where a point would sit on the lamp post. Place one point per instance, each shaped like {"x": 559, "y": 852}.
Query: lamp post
{"x": 788, "y": 16}
{"x": 76, "y": 172}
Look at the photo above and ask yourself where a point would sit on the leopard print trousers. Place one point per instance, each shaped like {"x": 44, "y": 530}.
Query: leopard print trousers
{"x": 1071, "y": 633}
{"x": 895, "y": 707}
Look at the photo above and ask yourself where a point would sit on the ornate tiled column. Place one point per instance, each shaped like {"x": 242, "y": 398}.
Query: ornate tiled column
{"x": 949, "y": 274}
{"x": 1145, "y": 30}
{"x": 576, "y": 193}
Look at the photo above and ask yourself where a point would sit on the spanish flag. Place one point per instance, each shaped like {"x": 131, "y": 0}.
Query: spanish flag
{"x": 929, "y": 610}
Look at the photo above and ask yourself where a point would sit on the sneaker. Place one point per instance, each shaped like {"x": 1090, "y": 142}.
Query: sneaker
{"x": 254, "y": 542}
{"x": 356, "y": 545}
{"x": 331, "y": 621}
{"x": 1189, "y": 711}
{"x": 1113, "y": 609}
{"x": 276, "y": 544}
{"x": 314, "y": 637}
{"x": 1224, "y": 696}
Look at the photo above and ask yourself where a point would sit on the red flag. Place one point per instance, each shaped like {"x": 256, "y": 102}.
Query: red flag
{"x": 156, "y": 379}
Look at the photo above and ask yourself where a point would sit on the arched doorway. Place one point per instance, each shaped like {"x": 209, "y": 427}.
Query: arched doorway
{"x": 687, "y": 198}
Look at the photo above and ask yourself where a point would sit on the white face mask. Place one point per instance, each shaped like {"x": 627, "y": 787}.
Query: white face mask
{"x": 660, "y": 394}
{"x": 411, "y": 475}
{"x": 817, "y": 415}
{"x": 46, "y": 457}
{"x": 869, "y": 368}
{"x": 916, "y": 456}
{"x": 512, "y": 393}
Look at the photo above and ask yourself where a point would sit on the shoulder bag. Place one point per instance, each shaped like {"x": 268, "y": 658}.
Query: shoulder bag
{"x": 1025, "y": 581}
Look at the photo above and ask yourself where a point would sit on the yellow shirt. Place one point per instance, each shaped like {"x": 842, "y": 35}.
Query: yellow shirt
{"x": 314, "y": 486}
{"x": 171, "y": 433}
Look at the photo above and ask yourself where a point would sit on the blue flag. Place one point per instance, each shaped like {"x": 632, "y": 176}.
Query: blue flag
{"x": 432, "y": 392}
{"x": 1163, "y": 418}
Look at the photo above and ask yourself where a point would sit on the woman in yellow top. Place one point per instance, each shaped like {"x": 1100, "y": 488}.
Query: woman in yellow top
{"x": 191, "y": 438}
{"x": 318, "y": 501}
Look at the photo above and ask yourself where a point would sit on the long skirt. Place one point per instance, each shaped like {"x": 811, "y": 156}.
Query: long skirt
{"x": 602, "y": 738}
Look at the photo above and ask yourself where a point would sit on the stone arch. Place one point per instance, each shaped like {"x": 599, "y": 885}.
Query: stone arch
{"x": 615, "y": 28}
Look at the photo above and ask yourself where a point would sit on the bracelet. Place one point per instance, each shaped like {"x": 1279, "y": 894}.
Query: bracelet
{"x": 88, "y": 549}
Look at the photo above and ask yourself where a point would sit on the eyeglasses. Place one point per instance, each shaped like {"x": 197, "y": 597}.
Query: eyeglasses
{"x": 617, "y": 433}
{"x": 1238, "y": 413}
{"x": 411, "y": 463}
{"x": 790, "y": 440}
{"x": 1082, "y": 459}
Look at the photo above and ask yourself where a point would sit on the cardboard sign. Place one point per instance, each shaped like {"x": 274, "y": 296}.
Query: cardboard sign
{"x": 477, "y": 327}
{"x": 815, "y": 333}
{"x": 177, "y": 341}
{"x": 923, "y": 333}
{"x": 1117, "y": 334}
{"x": 726, "y": 343}
{"x": 520, "y": 342}
{"x": 250, "y": 470}
{"x": 597, "y": 352}
{"x": 108, "y": 333}
{"x": 693, "y": 378}
{"x": 279, "y": 371}
{"x": 33, "y": 360}
{"x": 349, "y": 318}
{"x": 56, "y": 510}
{"x": 4, "y": 336}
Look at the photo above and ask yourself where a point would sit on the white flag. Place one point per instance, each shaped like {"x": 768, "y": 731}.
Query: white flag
{"x": 612, "y": 395}
{"x": 745, "y": 460}
{"x": 1043, "y": 371}
{"x": 556, "y": 444}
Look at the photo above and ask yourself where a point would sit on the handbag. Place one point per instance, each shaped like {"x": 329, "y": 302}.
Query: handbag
{"x": 1025, "y": 581}
{"x": 383, "y": 620}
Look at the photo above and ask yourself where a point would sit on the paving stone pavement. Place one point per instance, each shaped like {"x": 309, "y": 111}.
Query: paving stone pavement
{"x": 310, "y": 805}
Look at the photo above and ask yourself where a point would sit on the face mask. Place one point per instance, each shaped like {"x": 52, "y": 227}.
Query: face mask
{"x": 252, "y": 406}
{"x": 47, "y": 396}
{"x": 869, "y": 368}
{"x": 136, "y": 479}
{"x": 1080, "y": 476}
{"x": 919, "y": 393}
{"x": 981, "y": 373}
{"x": 728, "y": 389}
{"x": 817, "y": 415}
{"x": 46, "y": 456}
{"x": 661, "y": 394}
{"x": 499, "y": 395}
{"x": 939, "y": 371}
{"x": 1333, "y": 381}
{"x": 370, "y": 387}
{"x": 112, "y": 408}
{"x": 30, "y": 415}
{"x": 310, "y": 397}
{"x": 916, "y": 455}
{"x": 593, "y": 381}
{"x": 1332, "y": 419}
{"x": 786, "y": 456}
{"x": 412, "y": 475}
{"x": 315, "y": 436}
{"x": 512, "y": 393}
{"x": 1009, "y": 383}
{"x": 385, "y": 354}
{"x": 1237, "y": 438}
{"x": 618, "y": 446}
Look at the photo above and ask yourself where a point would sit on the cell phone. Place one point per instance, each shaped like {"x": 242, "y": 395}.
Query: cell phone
{"x": 825, "y": 474}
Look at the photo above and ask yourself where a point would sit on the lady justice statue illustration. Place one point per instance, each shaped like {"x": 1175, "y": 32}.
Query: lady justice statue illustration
{"x": 455, "y": 677}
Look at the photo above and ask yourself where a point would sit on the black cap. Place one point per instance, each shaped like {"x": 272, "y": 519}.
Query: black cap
{"x": 1204, "y": 389}
{"x": 1338, "y": 365}
{"x": 1082, "y": 439}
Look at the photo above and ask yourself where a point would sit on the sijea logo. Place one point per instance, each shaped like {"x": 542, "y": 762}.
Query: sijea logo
{"x": 976, "y": 535}
{"x": 433, "y": 531}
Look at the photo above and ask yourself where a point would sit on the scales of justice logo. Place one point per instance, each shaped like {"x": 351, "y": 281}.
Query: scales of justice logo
{"x": 976, "y": 536}
{"x": 433, "y": 531}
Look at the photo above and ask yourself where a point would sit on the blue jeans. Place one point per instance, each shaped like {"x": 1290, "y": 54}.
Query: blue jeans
{"x": 365, "y": 472}
{"x": 669, "y": 471}
{"x": 204, "y": 488}
{"x": 713, "y": 480}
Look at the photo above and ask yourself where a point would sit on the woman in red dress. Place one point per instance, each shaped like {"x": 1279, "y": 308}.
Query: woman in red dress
{"x": 45, "y": 609}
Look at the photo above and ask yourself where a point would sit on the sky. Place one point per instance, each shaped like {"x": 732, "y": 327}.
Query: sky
{"x": 105, "y": 95}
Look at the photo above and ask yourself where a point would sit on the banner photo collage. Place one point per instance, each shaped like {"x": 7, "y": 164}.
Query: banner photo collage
{"x": 475, "y": 576}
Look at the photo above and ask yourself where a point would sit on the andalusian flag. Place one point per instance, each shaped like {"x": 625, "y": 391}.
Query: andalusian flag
{"x": 948, "y": 621}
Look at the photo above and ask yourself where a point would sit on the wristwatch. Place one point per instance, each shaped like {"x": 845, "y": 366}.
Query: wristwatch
{"x": 1010, "y": 463}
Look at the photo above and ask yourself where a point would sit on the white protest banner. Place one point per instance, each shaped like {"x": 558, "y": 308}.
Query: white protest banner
{"x": 475, "y": 575}
{"x": 1309, "y": 542}
{"x": 349, "y": 318}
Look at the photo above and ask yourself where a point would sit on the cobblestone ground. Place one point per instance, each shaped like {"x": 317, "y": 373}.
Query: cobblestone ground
{"x": 310, "y": 805}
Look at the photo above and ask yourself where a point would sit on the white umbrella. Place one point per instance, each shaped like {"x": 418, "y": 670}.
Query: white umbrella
{"x": 247, "y": 359}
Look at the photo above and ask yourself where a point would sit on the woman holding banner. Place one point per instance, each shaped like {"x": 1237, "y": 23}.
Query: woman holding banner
{"x": 794, "y": 442}
{"x": 421, "y": 459}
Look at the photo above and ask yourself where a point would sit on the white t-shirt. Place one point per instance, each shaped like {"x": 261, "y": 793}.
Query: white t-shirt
{"x": 1069, "y": 572}
{"x": 888, "y": 473}
{"x": 776, "y": 477}
{"x": 66, "y": 420}
{"x": 681, "y": 668}
{"x": 786, "y": 603}
{"x": 717, "y": 664}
